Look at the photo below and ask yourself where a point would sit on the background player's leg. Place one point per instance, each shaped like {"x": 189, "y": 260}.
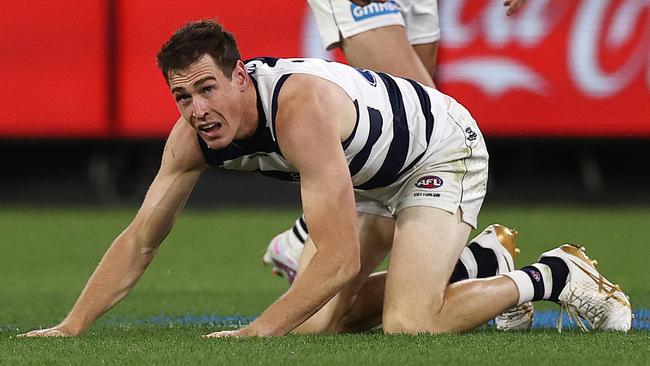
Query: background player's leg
{"x": 426, "y": 247}
{"x": 428, "y": 54}
{"x": 386, "y": 49}
{"x": 358, "y": 305}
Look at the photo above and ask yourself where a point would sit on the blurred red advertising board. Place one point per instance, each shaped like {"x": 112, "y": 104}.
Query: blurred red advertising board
{"x": 557, "y": 69}
{"x": 53, "y": 62}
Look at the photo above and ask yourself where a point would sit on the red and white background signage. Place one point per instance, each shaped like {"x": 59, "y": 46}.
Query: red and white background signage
{"x": 558, "y": 68}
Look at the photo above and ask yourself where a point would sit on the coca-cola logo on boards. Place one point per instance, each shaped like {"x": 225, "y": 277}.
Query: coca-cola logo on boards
{"x": 597, "y": 27}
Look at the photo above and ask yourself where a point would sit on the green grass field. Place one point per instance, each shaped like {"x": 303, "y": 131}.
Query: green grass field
{"x": 210, "y": 266}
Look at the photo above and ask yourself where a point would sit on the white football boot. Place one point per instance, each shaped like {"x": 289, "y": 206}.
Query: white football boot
{"x": 501, "y": 240}
{"x": 283, "y": 253}
{"x": 591, "y": 301}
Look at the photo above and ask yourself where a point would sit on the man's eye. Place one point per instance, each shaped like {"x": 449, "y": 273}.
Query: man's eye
{"x": 182, "y": 98}
{"x": 208, "y": 89}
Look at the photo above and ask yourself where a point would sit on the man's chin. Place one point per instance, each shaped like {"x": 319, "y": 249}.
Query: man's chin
{"x": 216, "y": 143}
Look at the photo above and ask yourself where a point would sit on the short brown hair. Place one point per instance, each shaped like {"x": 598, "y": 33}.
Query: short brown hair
{"x": 195, "y": 39}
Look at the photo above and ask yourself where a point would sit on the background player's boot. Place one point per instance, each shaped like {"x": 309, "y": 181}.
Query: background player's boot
{"x": 501, "y": 240}
{"x": 591, "y": 301}
{"x": 283, "y": 253}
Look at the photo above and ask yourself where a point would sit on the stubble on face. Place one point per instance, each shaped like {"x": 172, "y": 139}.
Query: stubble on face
{"x": 203, "y": 96}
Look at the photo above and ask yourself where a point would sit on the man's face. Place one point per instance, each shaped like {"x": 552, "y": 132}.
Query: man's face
{"x": 209, "y": 101}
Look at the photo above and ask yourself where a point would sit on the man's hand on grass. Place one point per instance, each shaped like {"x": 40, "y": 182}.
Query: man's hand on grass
{"x": 55, "y": 331}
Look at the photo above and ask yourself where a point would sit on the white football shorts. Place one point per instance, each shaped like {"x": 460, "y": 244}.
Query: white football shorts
{"x": 454, "y": 178}
{"x": 340, "y": 19}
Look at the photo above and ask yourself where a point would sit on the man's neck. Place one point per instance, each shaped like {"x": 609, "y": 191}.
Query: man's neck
{"x": 251, "y": 116}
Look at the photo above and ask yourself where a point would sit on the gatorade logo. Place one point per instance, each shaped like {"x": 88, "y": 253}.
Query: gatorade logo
{"x": 373, "y": 9}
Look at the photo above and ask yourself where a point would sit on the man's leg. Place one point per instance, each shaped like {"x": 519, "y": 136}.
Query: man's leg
{"x": 359, "y": 306}
{"x": 427, "y": 244}
{"x": 490, "y": 253}
{"x": 387, "y": 49}
{"x": 559, "y": 276}
{"x": 428, "y": 55}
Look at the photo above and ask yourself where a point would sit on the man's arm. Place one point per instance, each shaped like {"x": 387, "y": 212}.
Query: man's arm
{"x": 310, "y": 112}
{"x": 133, "y": 250}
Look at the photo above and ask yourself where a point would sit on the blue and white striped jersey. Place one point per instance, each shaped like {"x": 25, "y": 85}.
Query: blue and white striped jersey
{"x": 399, "y": 124}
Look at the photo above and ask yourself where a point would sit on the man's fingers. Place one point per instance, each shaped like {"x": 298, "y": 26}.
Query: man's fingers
{"x": 43, "y": 333}
{"x": 33, "y": 333}
{"x": 53, "y": 333}
{"x": 222, "y": 334}
{"x": 513, "y": 6}
{"x": 211, "y": 335}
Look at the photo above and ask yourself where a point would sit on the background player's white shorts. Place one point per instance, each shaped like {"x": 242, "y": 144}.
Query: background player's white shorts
{"x": 453, "y": 178}
{"x": 339, "y": 19}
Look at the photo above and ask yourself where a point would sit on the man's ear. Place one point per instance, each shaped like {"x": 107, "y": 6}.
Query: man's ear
{"x": 240, "y": 74}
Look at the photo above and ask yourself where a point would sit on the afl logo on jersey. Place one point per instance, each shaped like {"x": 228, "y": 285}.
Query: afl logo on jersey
{"x": 429, "y": 182}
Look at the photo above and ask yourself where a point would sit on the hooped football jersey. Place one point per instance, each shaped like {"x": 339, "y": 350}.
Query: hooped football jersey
{"x": 397, "y": 127}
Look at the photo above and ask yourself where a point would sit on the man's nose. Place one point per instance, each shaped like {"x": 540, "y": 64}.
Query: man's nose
{"x": 200, "y": 107}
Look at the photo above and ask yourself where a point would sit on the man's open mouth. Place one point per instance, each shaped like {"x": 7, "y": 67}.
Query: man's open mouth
{"x": 209, "y": 127}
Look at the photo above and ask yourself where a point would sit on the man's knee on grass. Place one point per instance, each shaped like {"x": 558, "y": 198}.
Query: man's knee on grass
{"x": 422, "y": 318}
